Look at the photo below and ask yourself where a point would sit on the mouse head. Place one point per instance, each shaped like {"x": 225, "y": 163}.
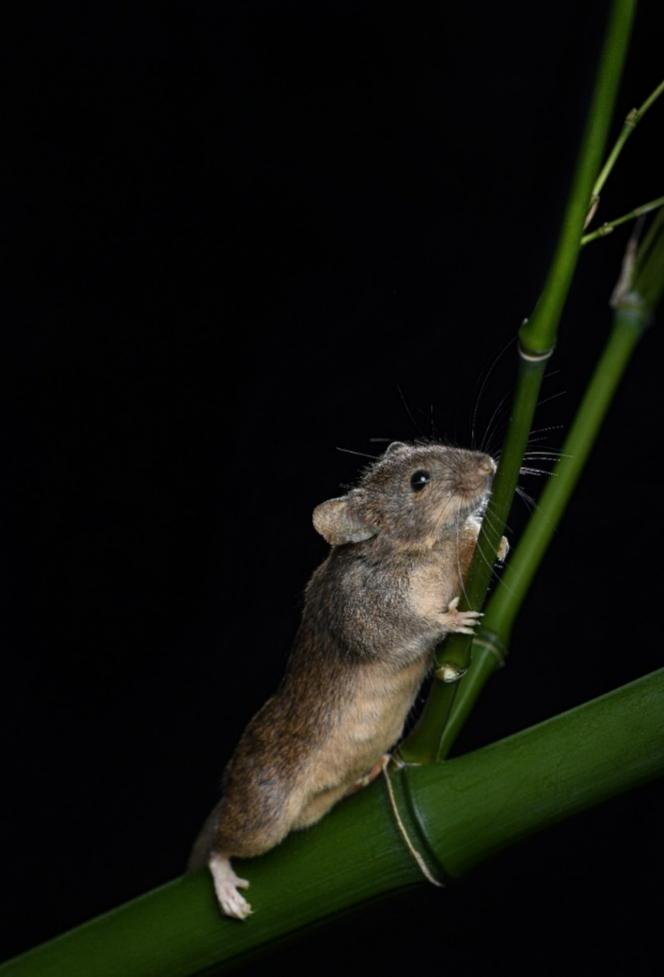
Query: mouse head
{"x": 413, "y": 495}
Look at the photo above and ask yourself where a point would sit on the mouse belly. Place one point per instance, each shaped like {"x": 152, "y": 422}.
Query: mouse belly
{"x": 371, "y": 722}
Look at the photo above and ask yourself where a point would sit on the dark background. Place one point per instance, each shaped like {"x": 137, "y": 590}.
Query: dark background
{"x": 246, "y": 233}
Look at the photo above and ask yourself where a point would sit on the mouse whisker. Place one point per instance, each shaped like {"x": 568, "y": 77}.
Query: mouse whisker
{"x": 525, "y": 470}
{"x": 487, "y": 375}
{"x": 527, "y": 500}
{"x": 360, "y": 454}
{"x": 547, "y": 453}
{"x": 492, "y": 523}
{"x": 492, "y": 427}
{"x": 458, "y": 560}
{"x": 550, "y": 427}
{"x": 408, "y": 411}
{"x": 546, "y": 400}
{"x": 540, "y": 439}
{"x": 533, "y": 442}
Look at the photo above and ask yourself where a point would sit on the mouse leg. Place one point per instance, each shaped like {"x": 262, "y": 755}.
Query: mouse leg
{"x": 244, "y": 824}
{"x": 226, "y": 884}
{"x": 318, "y": 805}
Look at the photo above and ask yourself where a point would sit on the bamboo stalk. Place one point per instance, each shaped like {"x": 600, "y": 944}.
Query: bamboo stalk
{"x": 506, "y": 601}
{"x": 502, "y": 609}
{"x": 640, "y": 289}
{"x": 467, "y": 809}
{"x": 537, "y": 338}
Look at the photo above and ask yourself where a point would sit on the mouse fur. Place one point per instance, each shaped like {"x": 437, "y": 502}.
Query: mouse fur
{"x": 401, "y": 543}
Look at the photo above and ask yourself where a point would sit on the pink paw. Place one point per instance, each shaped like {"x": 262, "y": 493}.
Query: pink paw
{"x": 461, "y": 622}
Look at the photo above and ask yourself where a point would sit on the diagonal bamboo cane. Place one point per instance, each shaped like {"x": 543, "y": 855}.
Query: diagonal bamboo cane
{"x": 463, "y": 811}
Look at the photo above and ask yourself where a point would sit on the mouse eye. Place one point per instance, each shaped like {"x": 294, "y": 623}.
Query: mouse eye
{"x": 419, "y": 479}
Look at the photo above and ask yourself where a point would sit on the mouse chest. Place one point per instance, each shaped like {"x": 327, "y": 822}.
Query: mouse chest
{"x": 432, "y": 587}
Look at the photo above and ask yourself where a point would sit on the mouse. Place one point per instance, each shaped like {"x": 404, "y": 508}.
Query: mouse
{"x": 401, "y": 542}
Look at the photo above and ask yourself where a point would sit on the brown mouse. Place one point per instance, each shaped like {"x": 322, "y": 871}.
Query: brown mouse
{"x": 374, "y": 610}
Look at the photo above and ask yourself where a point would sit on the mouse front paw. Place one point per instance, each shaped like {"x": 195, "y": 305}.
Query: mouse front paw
{"x": 503, "y": 549}
{"x": 460, "y": 622}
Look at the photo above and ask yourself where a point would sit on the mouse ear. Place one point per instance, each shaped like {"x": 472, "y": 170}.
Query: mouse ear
{"x": 394, "y": 447}
{"x": 338, "y": 523}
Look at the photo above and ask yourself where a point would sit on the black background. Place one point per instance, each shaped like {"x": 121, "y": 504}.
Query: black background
{"x": 246, "y": 233}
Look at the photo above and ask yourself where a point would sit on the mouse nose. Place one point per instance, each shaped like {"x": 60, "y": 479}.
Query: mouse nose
{"x": 487, "y": 466}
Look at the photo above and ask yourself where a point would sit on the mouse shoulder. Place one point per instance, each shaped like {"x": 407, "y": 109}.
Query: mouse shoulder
{"x": 360, "y": 570}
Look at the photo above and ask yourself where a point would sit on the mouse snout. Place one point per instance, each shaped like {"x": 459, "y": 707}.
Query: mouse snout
{"x": 475, "y": 473}
{"x": 486, "y": 465}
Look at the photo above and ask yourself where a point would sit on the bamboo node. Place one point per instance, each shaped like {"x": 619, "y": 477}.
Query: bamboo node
{"x": 533, "y": 357}
{"x": 422, "y": 865}
{"x": 632, "y": 118}
{"x": 492, "y": 643}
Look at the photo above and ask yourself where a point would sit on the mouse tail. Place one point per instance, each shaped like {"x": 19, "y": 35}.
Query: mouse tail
{"x": 202, "y": 847}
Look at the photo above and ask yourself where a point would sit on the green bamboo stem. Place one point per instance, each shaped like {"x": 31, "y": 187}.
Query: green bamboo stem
{"x": 537, "y": 338}
{"x": 642, "y": 287}
{"x": 505, "y": 605}
{"x": 506, "y": 601}
{"x": 641, "y": 290}
{"x": 424, "y": 742}
{"x": 609, "y": 226}
{"x": 538, "y": 334}
{"x": 462, "y": 811}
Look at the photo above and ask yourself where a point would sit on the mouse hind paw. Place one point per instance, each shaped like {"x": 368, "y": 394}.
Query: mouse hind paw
{"x": 226, "y": 885}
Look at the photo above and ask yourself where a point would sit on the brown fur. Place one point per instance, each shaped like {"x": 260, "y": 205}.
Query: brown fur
{"x": 373, "y": 612}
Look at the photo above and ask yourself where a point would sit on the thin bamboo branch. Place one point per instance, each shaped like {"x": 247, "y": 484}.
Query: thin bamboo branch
{"x": 609, "y": 226}
{"x": 538, "y": 334}
{"x": 537, "y": 338}
{"x": 490, "y": 798}
{"x": 631, "y": 121}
